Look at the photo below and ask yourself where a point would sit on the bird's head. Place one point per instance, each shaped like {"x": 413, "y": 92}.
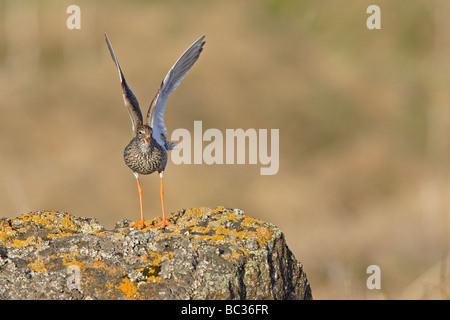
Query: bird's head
{"x": 144, "y": 133}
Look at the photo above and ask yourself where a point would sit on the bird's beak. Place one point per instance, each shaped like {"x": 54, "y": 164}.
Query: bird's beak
{"x": 147, "y": 140}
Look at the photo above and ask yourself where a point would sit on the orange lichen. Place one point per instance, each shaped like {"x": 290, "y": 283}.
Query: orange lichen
{"x": 129, "y": 289}
{"x": 73, "y": 262}
{"x": 223, "y": 231}
{"x": 157, "y": 258}
{"x": 37, "y": 266}
{"x": 49, "y": 220}
{"x": 98, "y": 264}
{"x": 60, "y": 224}
{"x": 216, "y": 238}
{"x": 234, "y": 257}
{"x": 197, "y": 229}
{"x": 22, "y": 243}
{"x": 58, "y": 235}
{"x": 263, "y": 235}
{"x": 6, "y": 233}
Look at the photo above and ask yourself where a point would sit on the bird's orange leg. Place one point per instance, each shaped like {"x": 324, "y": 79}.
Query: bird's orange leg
{"x": 164, "y": 222}
{"x": 141, "y": 223}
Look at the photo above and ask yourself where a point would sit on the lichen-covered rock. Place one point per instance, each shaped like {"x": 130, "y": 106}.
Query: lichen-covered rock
{"x": 204, "y": 254}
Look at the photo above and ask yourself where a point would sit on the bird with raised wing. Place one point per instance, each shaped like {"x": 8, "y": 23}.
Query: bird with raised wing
{"x": 147, "y": 151}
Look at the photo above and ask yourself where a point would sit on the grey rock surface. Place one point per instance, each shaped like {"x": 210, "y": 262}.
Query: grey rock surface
{"x": 205, "y": 254}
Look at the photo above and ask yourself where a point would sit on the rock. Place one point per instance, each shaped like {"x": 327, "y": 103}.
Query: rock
{"x": 205, "y": 254}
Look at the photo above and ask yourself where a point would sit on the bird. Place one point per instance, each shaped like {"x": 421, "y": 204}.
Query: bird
{"x": 147, "y": 151}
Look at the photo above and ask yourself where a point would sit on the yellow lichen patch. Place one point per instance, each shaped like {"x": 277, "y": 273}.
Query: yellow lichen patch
{"x": 263, "y": 235}
{"x": 129, "y": 289}
{"x": 217, "y": 238}
{"x": 37, "y": 266}
{"x": 168, "y": 255}
{"x": 49, "y": 220}
{"x": 196, "y": 213}
{"x": 250, "y": 222}
{"x": 6, "y": 233}
{"x": 73, "y": 262}
{"x": 201, "y": 230}
{"x": 61, "y": 225}
{"x": 98, "y": 264}
{"x": 156, "y": 258}
{"x": 23, "y": 243}
{"x": 222, "y": 231}
{"x": 58, "y": 235}
{"x": 234, "y": 257}
{"x": 216, "y": 210}
{"x": 155, "y": 279}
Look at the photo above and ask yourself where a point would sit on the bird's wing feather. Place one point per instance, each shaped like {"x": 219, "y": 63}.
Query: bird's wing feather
{"x": 155, "y": 115}
{"x": 128, "y": 97}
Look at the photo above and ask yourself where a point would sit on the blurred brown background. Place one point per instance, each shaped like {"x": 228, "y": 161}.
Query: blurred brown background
{"x": 364, "y": 120}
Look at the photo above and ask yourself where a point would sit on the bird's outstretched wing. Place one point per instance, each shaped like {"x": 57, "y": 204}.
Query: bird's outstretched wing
{"x": 128, "y": 97}
{"x": 155, "y": 115}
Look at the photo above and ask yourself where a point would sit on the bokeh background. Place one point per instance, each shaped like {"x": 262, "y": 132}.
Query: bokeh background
{"x": 364, "y": 120}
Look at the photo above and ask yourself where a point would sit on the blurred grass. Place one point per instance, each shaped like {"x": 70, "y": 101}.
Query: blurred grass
{"x": 362, "y": 115}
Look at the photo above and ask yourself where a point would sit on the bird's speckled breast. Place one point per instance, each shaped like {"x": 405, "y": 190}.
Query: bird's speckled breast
{"x": 143, "y": 159}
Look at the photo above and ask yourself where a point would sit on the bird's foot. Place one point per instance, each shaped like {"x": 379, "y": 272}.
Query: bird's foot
{"x": 163, "y": 223}
{"x": 141, "y": 224}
